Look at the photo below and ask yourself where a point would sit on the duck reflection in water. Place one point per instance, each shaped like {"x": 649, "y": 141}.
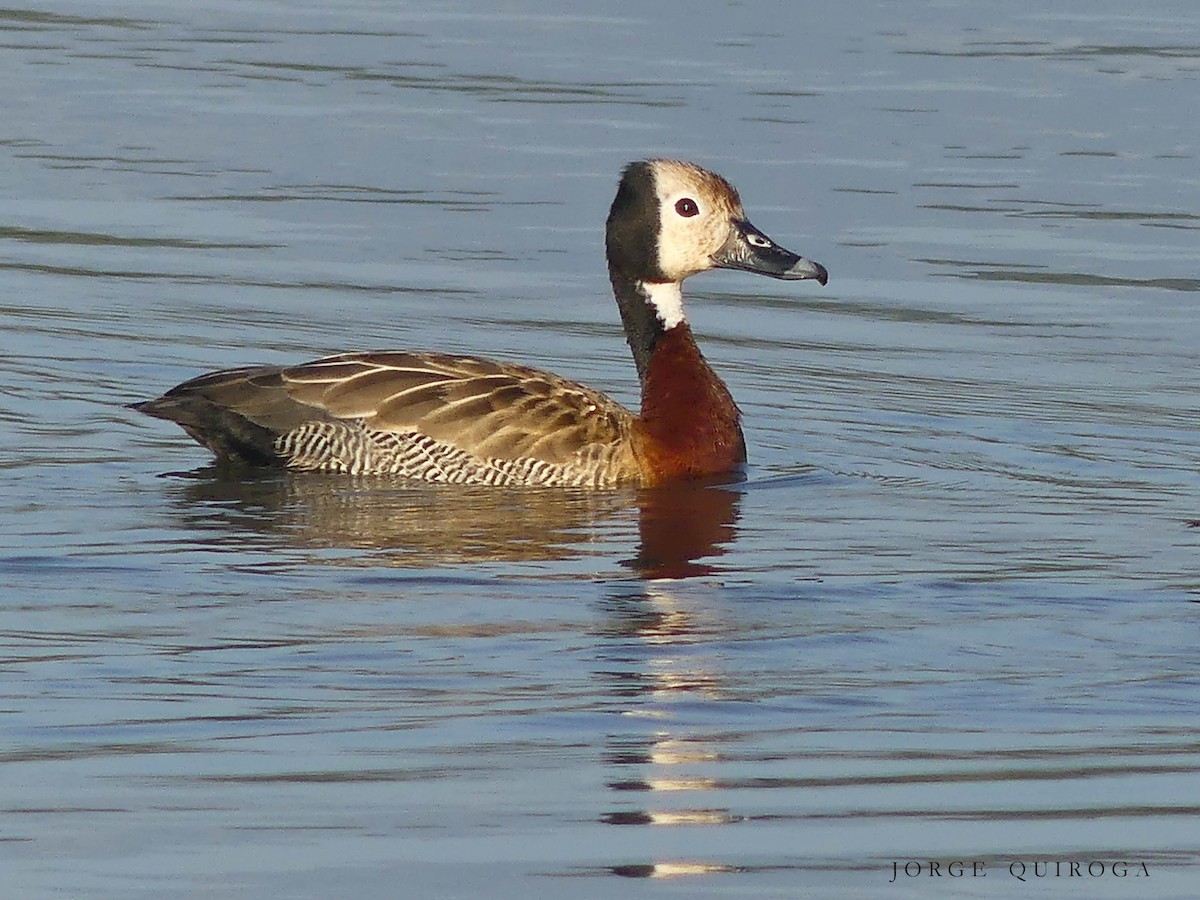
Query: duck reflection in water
{"x": 681, "y": 529}
{"x": 667, "y": 753}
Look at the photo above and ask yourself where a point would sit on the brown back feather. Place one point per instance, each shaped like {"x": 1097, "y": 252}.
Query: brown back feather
{"x": 488, "y": 409}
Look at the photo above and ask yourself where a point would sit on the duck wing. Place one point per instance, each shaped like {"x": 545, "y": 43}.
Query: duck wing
{"x": 402, "y": 404}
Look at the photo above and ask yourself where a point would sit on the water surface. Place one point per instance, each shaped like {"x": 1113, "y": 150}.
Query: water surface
{"x": 950, "y": 615}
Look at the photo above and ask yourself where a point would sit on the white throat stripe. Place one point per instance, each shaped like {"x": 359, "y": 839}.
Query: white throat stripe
{"x": 667, "y": 300}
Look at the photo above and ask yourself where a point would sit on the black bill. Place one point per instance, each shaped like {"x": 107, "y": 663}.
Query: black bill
{"x": 750, "y": 250}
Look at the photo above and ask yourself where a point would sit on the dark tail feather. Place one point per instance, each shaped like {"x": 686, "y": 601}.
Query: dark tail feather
{"x": 226, "y": 433}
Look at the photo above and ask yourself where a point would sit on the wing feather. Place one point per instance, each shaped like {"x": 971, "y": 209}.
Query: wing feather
{"x": 488, "y": 409}
{"x": 463, "y": 404}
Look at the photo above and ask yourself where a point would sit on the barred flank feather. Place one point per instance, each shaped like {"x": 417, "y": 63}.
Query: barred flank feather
{"x": 353, "y": 449}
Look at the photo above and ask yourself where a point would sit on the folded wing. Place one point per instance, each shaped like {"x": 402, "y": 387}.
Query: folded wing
{"x": 460, "y": 411}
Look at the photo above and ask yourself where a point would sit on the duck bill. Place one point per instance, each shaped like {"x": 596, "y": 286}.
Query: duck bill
{"x": 750, "y": 250}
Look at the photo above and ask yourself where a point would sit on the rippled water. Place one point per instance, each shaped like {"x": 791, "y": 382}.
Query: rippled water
{"x": 951, "y": 615}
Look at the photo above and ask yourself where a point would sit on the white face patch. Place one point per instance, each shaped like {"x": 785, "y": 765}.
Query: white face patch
{"x": 696, "y": 209}
{"x": 667, "y": 300}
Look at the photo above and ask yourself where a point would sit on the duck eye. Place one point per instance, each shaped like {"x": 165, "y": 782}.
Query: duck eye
{"x": 687, "y": 207}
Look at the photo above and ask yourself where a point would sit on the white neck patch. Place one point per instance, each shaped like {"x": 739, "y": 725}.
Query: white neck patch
{"x": 667, "y": 300}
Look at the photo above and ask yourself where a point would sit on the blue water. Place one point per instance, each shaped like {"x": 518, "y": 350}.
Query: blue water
{"x": 951, "y": 615}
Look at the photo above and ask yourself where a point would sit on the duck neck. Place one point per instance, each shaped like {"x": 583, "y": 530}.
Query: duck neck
{"x": 687, "y": 411}
{"x": 689, "y": 424}
{"x": 643, "y": 327}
